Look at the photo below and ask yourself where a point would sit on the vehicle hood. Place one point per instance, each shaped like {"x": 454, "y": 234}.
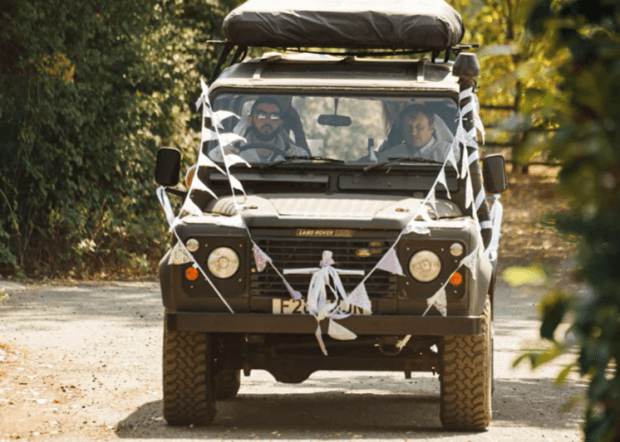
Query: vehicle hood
{"x": 345, "y": 210}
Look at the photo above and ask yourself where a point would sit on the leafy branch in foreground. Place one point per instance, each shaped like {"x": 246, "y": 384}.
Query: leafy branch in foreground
{"x": 587, "y": 143}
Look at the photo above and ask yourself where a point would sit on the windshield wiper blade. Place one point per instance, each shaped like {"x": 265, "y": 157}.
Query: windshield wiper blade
{"x": 305, "y": 157}
{"x": 392, "y": 161}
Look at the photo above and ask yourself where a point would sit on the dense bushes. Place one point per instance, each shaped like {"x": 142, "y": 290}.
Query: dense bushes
{"x": 88, "y": 91}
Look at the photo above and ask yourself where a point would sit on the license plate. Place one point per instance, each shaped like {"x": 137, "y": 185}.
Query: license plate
{"x": 293, "y": 307}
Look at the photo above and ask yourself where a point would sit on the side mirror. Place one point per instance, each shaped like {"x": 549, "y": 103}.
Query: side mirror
{"x": 494, "y": 173}
{"x": 168, "y": 166}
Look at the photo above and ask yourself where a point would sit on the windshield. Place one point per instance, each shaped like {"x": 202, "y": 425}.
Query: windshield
{"x": 362, "y": 130}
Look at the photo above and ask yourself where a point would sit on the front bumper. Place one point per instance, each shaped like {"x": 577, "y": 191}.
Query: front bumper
{"x": 304, "y": 324}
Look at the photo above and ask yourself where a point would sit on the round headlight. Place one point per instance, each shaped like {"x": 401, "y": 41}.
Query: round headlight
{"x": 223, "y": 262}
{"x": 424, "y": 266}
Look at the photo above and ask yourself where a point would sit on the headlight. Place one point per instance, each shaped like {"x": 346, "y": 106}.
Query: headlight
{"x": 223, "y": 262}
{"x": 424, "y": 266}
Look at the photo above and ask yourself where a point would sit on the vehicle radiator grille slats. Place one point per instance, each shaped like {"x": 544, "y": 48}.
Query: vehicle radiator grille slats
{"x": 298, "y": 253}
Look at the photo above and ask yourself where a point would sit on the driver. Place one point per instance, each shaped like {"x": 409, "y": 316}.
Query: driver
{"x": 265, "y": 126}
{"x": 418, "y": 138}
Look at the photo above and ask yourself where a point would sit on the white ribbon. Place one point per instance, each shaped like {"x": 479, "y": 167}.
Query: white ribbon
{"x": 497, "y": 212}
{"x": 165, "y": 204}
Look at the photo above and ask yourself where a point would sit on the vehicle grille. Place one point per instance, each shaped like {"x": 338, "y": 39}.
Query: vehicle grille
{"x": 295, "y": 253}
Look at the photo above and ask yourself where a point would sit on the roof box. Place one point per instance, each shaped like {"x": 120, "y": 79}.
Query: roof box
{"x": 353, "y": 24}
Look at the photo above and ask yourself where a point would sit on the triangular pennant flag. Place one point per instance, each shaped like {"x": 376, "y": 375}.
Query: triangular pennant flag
{"x": 452, "y": 157}
{"x": 199, "y": 102}
{"x": 430, "y": 199}
{"x": 412, "y": 226}
{"x": 208, "y": 135}
{"x": 232, "y": 159}
{"x": 439, "y": 301}
{"x": 204, "y": 160}
{"x": 219, "y": 116}
{"x": 339, "y": 332}
{"x": 235, "y": 183}
{"x": 190, "y": 207}
{"x": 441, "y": 179}
{"x": 199, "y": 185}
{"x": 390, "y": 263}
{"x": 179, "y": 255}
{"x": 319, "y": 338}
{"x": 227, "y": 138}
{"x": 422, "y": 214}
{"x": 359, "y": 298}
{"x": 464, "y": 165}
{"x": 260, "y": 257}
{"x": 204, "y": 87}
{"x": 471, "y": 261}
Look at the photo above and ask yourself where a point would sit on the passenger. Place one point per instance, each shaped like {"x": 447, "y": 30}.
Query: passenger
{"x": 417, "y": 138}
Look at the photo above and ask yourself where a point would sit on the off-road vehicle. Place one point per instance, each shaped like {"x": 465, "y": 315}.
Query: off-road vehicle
{"x": 409, "y": 237}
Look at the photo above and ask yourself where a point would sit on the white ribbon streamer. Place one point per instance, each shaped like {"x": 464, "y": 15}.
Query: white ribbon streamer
{"x": 165, "y": 204}
{"x": 497, "y": 212}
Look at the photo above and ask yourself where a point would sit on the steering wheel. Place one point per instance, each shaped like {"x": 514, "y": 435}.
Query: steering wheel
{"x": 274, "y": 150}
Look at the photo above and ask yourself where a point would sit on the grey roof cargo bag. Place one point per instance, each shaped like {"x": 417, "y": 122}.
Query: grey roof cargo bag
{"x": 386, "y": 24}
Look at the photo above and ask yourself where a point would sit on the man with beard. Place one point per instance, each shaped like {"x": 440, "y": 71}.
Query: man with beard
{"x": 265, "y": 126}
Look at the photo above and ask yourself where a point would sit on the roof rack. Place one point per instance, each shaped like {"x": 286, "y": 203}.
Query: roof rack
{"x": 241, "y": 52}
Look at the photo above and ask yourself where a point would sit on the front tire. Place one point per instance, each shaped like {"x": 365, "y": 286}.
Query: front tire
{"x": 466, "y": 381}
{"x": 188, "y": 378}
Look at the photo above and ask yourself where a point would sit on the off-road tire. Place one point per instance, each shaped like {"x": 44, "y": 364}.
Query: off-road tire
{"x": 466, "y": 380}
{"x": 227, "y": 383}
{"x": 187, "y": 378}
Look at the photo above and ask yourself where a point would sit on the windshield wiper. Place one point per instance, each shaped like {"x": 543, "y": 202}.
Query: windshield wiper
{"x": 306, "y": 157}
{"x": 392, "y": 161}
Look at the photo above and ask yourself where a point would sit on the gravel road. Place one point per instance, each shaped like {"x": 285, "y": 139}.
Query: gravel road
{"x": 83, "y": 362}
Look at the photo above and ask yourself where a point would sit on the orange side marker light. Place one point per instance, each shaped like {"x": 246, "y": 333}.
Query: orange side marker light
{"x": 191, "y": 273}
{"x": 456, "y": 278}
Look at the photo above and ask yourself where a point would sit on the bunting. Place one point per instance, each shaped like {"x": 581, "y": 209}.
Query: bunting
{"x": 359, "y": 298}
{"x": 390, "y": 263}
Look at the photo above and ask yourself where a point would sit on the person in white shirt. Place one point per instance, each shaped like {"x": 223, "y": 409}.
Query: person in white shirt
{"x": 417, "y": 138}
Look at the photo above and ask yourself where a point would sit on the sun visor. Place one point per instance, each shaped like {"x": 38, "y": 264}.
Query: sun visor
{"x": 363, "y": 24}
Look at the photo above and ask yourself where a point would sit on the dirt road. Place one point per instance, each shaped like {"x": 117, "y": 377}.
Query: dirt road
{"x": 82, "y": 362}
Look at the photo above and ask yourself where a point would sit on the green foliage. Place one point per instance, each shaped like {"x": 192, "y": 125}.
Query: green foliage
{"x": 588, "y": 144}
{"x": 88, "y": 91}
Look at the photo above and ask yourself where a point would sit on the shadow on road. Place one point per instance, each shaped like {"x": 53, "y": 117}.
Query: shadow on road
{"x": 342, "y": 413}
